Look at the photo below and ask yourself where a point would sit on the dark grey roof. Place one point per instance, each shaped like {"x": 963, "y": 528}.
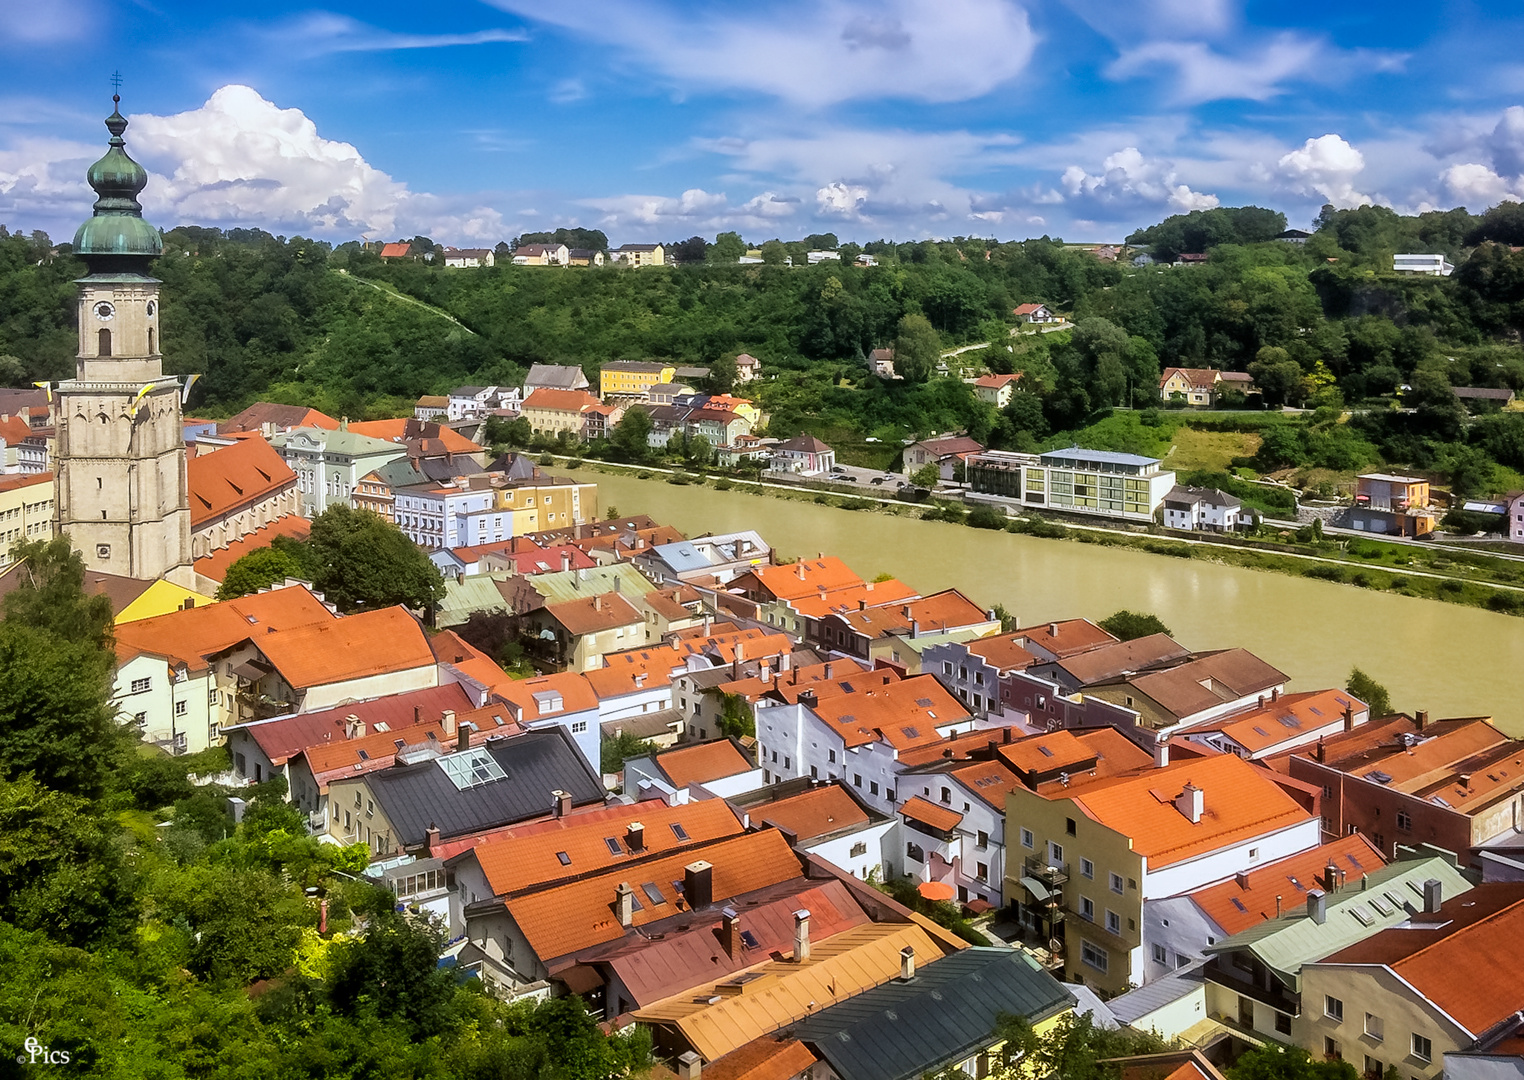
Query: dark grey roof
{"x": 515, "y": 467}
{"x": 556, "y": 376}
{"x": 945, "y": 1014}
{"x": 537, "y": 763}
{"x": 1210, "y": 496}
{"x": 1136, "y": 1004}
{"x": 1483, "y": 393}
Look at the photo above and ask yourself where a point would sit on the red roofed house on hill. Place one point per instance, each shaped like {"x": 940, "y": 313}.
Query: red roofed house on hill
{"x": 1036, "y": 313}
{"x": 390, "y": 252}
{"x": 235, "y": 491}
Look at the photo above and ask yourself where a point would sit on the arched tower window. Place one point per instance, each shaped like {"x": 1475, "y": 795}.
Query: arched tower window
{"x": 104, "y": 349}
{"x": 150, "y": 341}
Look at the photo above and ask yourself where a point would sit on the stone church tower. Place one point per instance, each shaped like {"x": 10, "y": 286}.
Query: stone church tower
{"x": 122, "y": 494}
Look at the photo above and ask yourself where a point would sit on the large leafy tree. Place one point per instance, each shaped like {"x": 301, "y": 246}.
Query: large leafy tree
{"x": 259, "y": 570}
{"x": 916, "y": 349}
{"x": 359, "y": 560}
{"x": 630, "y": 436}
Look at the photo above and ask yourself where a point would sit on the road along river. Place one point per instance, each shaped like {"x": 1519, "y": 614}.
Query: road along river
{"x": 1449, "y": 659}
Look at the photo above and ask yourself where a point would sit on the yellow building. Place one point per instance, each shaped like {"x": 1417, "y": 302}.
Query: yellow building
{"x": 550, "y": 412}
{"x": 160, "y": 598}
{"x": 549, "y": 505}
{"x": 26, "y": 512}
{"x": 633, "y": 377}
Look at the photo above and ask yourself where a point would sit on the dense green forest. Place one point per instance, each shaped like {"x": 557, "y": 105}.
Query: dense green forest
{"x": 144, "y": 934}
{"x": 1323, "y": 324}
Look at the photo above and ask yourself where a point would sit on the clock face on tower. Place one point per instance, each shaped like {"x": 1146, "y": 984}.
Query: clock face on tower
{"x": 104, "y": 311}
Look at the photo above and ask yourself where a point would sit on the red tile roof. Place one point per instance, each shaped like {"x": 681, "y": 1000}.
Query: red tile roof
{"x": 803, "y": 578}
{"x": 281, "y": 417}
{"x": 409, "y": 428}
{"x": 591, "y": 614}
{"x": 1197, "y": 378}
{"x": 810, "y": 814}
{"x": 1240, "y": 801}
{"x": 512, "y": 546}
{"x": 767, "y": 1058}
{"x": 573, "y": 690}
{"x": 1289, "y": 717}
{"x": 1238, "y": 904}
{"x": 395, "y": 251}
{"x": 929, "y": 813}
{"x": 215, "y": 566}
{"x": 853, "y": 597}
{"x": 903, "y": 714}
{"x": 571, "y": 401}
{"x": 1027, "y": 309}
{"x": 189, "y": 636}
{"x": 703, "y": 762}
{"x": 1065, "y": 638}
{"x": 226, "y": 480}
{"x": 14, "y": 483}
{"x": 564, "y": 918}
{"x": 286, "y": 736}
{"x": 367, "y": 643}
{"x": 567, "y": 847}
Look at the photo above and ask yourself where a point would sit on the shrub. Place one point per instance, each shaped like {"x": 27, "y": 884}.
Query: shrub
{"x": 986, "y": 517}
{"x": 1324, "y": 573}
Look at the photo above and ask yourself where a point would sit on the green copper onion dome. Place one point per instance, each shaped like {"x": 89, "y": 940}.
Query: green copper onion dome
{"x": 118, "y": 228}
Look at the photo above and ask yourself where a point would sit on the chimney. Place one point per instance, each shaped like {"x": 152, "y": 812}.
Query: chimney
{"x": 698, "y": 884}
{"x": 730, "y": 934}
{"x": 624, "y": 903}
{"x": 1053, "y": 629}
{"x": 708, "y": 623}
{"x": 828, "y": 669}
{"x": 1262, "y": 701}
{"x": 1465, "y": 781}
{"x": 822, "y": 589}
{"x": 1242, "y": 877}
{"x": 740, "y": 652}
{"x": 799, "y": 569}
{"x": 785, "y": 661}
{"x": 1191, "y": 802}
{"x": 801, "y": 935}
{"x": 431, "y": 835}
{"x": 561, "y": 803}
{"x": 915, "y": 629}
{"x": 1275, "y": 694}
{"x": 1277, "y": 905}
{"x": 1161, "y": 753}
{"x": 907, "y": 963}
{"x": 635, "y": 835}
{"x": 862, "y": 604}
{"x": 1432, "y": 896}
{"x": 598, "y": 602}
{"x": 1331, "y": 877}
{"x": 1320, "y": 752}
{"x": 354, "y": 727}
{"x": 1349, "y": 718}
{"x": 417, "y": 714}
{"x": 463, "y": 736}
{"x": 1422, "y": 716}
{"x": 1007, "y": 734}
{"x": 565, "y": 561}
{"x": 807, "y": 698}
{"x": 447, "y": 721}
{"x": 689, "y": 1066}
{"x": 1317, "y": 907}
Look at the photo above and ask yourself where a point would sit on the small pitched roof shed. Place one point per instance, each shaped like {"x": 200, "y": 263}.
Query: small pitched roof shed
{"x": 812, "y": 814}
{"x": 947, "y": 1013}
{"x": 233, "y": 477}
{"x": 929, "y": 813}
{"x": 535, "y": 764}
{"x": 703, "y": 762}
{"x": 368, "y": 643}
{"x": 1240, "y": 803}
{"x": 565, "y": 918}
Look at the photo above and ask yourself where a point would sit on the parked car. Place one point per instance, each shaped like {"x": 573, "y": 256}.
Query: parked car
{"x": 876, "y": 480}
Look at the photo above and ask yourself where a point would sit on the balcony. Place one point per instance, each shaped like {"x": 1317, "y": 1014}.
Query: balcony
{"x": 1222, "y": 972}
{"x": 1054, "y": 877}
{"x": 1095, "y": 929}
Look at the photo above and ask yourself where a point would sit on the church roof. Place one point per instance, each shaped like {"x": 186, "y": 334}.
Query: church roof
{"x": 117, "y": 227}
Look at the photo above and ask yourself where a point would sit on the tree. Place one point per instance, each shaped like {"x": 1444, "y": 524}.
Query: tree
{"x": 1279, "y": 1062}
{"x": 613, "y": 753}
{"x": 246, "y": 921}
{"x": 500, "y": 432}
{"x": 50, "y": 594}
{"x": 631, "y": 436}
{"x": 258, "y": 570}
{"x": 774, "y": 253}
{"x": 1127, "y": 625}
{"x": 393, "y": 972}
{"x": 1277, "y": 375}
{"x": 917, "y": 347}
{"x": 728, "y": 247}
{"x": 927, "y": 476}
{"x": 359, "y": 560}
{"x": 1371, "y": 692}
{"x": 1073, "y": 1048}
{"x": 735, "y": 719}
{"x": 722, "y": 374}
{"x": 691, "y": 250}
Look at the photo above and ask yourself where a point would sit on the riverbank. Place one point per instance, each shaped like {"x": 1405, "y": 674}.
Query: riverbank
{"x": 1466, "y": 578}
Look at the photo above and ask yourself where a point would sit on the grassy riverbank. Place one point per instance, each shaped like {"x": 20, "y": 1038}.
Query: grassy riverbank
{"x": 1467, "y": 578}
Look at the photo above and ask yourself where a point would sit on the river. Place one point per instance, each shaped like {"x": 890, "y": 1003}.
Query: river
{"x": 1449, "y": 659}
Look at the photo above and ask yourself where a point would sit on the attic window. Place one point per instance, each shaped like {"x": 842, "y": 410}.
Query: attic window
{"x": 911, "y": 732}
{"x": 364, "y": 756}
{"x": 923, "y": 702}
{"x": 563, "y": 858}
{"x": 612, "y": 844}
{"x": 1044, "y": 751}
{"x": 848, "y": 688}
{"x": 678, "y": 831}
{"x": 1239, "y": 904}
{"x": 399, "y": 743}
{"x": 748, "y": 939}
{"x": 653, "y": 894}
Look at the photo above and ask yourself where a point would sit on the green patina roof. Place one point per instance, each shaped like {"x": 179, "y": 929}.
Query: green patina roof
{"x": 1353, "y": 914}
{"x": 566, "y": 585}
{"x": 118, "y": 227}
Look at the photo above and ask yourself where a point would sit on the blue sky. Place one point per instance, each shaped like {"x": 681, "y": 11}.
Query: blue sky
{"x": 657, "y": 119}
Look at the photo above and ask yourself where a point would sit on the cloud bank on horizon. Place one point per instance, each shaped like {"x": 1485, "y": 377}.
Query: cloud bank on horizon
{"x": 658, "y": 119}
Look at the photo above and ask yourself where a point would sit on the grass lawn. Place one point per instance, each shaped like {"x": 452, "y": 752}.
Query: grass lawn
{"x": 1211, "y": 451}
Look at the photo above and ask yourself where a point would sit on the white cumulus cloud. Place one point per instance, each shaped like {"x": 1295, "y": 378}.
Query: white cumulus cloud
{"x": 811, "y": 53}
{"x": 844, "y": 199}
{"x": 1477, "y": 185}
{"x": 1128, "y": 181}
{"x": 1326, "y": 166}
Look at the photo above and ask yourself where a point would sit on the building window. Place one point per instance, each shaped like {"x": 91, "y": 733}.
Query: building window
{"x": 1026, "y": 838}
{"x": 1374, "y": 1027}
{"x": 984, "y": 839}
{"x": 1069, "y": 826}
{"x": 831, "y": 757}
{"x": 857, "y": 779}
{"x": 180, "y": 708}
{"x": 1094, "y": 956}
{"x": 1333, "y": 1008}
{"x": 1087, "y": 868}
{"x": 1160, "y": 956}
{"x": 859, "y": 849}
{"x": 1423, "y": 1049}
{"x": 1055, "y": 853}
{"x": 873, "y": 788}
{"x": 814, "y": 772}
{"x": 946, "y": 794}
{"x": 913, "y": 851}
{"x": 140, "y": 686}
{"x": 1116, "y": 884}
{"x": 1113, "y": 922}
{"x": 984, "y": 871}
{"x": 1283, "y": 1023}
{"x": 1087, "y": 908}
{"x": 1404, "y": 821}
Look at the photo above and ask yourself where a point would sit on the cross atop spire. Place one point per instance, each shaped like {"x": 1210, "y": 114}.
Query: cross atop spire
{"x": 116, "y": 84}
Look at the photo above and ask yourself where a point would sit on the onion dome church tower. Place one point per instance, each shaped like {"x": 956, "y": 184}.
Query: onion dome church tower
{"x": 122, "y": 492}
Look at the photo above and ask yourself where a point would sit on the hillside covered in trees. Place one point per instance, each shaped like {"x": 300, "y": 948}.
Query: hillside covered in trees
{"x": 1324, "y": 324}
